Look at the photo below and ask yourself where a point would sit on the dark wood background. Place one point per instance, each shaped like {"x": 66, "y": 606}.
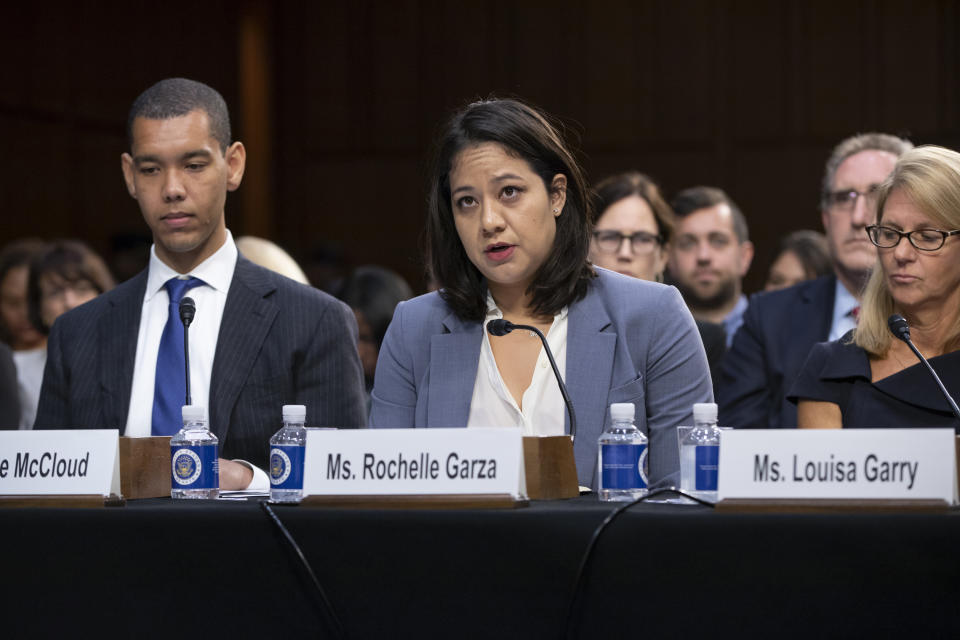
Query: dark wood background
{"x": 337, "y": 102}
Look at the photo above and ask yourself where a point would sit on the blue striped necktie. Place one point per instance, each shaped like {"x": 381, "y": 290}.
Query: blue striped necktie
{"x": 169, "y": 386}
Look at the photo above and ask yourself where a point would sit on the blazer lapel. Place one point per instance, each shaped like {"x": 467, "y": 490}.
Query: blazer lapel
{"x": 247, "y": 317}
{"x": 590, "y": 360}
{"x": 820, "y": 298}
{"x": 117, "y": 335}
{"x": 454, "y": 359}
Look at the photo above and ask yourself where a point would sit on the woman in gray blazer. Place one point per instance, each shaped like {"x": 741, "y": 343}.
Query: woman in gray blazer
{"x": 508, "y": 233}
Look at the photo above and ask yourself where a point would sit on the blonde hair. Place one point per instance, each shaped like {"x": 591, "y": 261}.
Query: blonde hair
{"x": 929, "y": 176}
{"x": 270, "y": 256}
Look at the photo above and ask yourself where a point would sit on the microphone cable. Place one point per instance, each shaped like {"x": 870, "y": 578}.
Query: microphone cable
{"x": 327, "y": 607}
{"x": 580, "y": 581}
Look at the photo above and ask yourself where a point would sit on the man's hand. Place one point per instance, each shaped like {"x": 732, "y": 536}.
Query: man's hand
{"x": 234, "y": 476}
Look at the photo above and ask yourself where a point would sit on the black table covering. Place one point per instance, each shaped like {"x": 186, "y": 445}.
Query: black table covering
{"x": 177, "y": 569}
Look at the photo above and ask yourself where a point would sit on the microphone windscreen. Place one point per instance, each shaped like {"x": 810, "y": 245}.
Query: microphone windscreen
{"x": 499, "y": 327}
{"x": 188, "y": 309}
{"x": 899, "y": 327}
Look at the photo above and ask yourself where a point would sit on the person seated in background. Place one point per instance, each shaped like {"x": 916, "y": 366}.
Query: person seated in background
{"x": 780, "y": 327}
{"x": 270, "y": 255}
{"x": 868, "y": 378}
{"x": 28, "y": 344}
{"x": 710, "y": 255}
{"x": 632, "y": 236}
{"x": 66, "y": 274}
{"x": 9, "y": 391}
{"x": 508, "y": 234}
{"x": 802, "y": 255}
{"x": 373, "y": 293}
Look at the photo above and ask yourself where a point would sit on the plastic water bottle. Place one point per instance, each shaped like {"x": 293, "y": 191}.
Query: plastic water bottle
{"x": 287, "y": 448}
{"x": 700, "y": 454}
{"x": 622, "y": 457}
{"x": 194, "y": 457}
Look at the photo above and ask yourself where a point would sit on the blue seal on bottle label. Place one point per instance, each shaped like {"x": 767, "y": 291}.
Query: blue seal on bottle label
{"x": 286, "y": 466}
{"x": 624, "y": 466}
{"x": 194, "y": 467}
{"x": 706, "y": 468}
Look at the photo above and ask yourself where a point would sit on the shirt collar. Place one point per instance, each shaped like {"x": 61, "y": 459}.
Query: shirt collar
{"x": 493, "y": 311}
{"x": 216, "y": 271}
{"x": 843, "y": 303}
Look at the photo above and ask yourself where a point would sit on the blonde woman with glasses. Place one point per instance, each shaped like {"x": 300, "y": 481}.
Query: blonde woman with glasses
{"x": 868, "y": 378}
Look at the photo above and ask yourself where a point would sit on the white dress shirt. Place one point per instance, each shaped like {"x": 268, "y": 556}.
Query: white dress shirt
{"x": 543, "y": 410}
{"x": 30, "y": 364}
{"x": 217, "y": 273}
{"x": 843, "y": 305}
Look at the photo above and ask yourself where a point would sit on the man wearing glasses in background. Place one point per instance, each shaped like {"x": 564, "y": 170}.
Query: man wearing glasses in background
{"x": 781, "y": 327}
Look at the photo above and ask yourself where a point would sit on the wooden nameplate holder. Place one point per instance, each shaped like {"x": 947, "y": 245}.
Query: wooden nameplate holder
{"x": 550, "y": 468}
{"x": 145, "y": 467}
{"x": 443, "y": 502}
{"x": 83, "y": 501}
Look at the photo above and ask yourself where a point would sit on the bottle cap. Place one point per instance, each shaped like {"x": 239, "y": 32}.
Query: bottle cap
{"x": 705, "y": 412}
{"x": 621, "y": 411}
{"x": 294, "y": 412}
{"x": 193, "y": 412}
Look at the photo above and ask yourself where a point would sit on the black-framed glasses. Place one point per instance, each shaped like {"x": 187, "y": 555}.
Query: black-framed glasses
{"x": 847, "y": 198}
{"x": 922, "y": 239}
{"x": 641, "y": 242}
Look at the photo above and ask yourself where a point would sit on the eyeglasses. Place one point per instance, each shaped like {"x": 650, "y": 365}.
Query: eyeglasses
{"x": 922, "y": 239}
{"x": 641, "y": 242}
{"x": 847, "y": 199}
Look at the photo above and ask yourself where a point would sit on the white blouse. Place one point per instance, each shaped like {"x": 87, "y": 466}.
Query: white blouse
{"x": 543, "y": 410}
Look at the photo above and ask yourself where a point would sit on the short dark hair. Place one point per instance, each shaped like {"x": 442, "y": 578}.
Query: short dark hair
{"x": 72, "y": 261}
{"x": 176, "y": 97}
{"x": 853, "y": 145}
{"x": 19, "y": 253}
{"x": 376, "y": 292}
{"x": 529, "y": 134}
{"x": 811, "y": 250}
{"x": 611, "y": 190}
{"x": 695, "y": 198}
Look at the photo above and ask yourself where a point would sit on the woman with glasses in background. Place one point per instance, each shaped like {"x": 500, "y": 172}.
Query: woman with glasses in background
{"x": 632, "y": 235}
{"x": 868, "y": 378}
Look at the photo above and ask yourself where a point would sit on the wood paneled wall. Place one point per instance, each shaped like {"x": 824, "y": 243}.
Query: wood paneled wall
{"x": 340, "y": 101}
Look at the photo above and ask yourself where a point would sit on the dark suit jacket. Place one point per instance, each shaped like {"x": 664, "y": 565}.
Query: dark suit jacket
{"x": 779, "y": 330}
{"x": 280, "y": 342}
{"x": 9, "y": 391}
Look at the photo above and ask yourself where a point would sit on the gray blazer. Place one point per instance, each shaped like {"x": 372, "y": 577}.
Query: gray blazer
{"x": 628, "y": 340}
{"x": 280, "y": 342}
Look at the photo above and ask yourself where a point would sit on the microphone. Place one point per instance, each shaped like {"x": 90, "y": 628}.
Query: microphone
{"x": 188, "y": 309}
{"x": 900, "y": 330}
{"x": 501, "y": 327}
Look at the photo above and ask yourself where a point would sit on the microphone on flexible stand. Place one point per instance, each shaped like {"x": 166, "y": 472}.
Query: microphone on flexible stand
{"x": 501, "y": 327}
{"x": 188, "y": 309}
{"x": 900, "y": 330}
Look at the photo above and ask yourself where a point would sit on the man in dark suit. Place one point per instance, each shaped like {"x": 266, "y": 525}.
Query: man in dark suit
{"x": 780, "y": 327}
{"x": 258, "y": 340}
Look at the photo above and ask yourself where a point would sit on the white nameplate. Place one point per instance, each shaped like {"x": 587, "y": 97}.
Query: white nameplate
{"x": 67, "y": 462}
{"x": 851, "y": 464}
{"x": 414, "y": 462}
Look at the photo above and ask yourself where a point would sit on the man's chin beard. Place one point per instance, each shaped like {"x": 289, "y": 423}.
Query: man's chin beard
{"x": 724, "y": 295}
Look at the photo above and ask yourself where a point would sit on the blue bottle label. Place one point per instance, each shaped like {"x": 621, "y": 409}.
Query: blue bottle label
{"x": 624, "y": 466}
{"x": 707, "y": 466}
{"x": 286, "y": 466}
{"x": 194, "y": 467}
